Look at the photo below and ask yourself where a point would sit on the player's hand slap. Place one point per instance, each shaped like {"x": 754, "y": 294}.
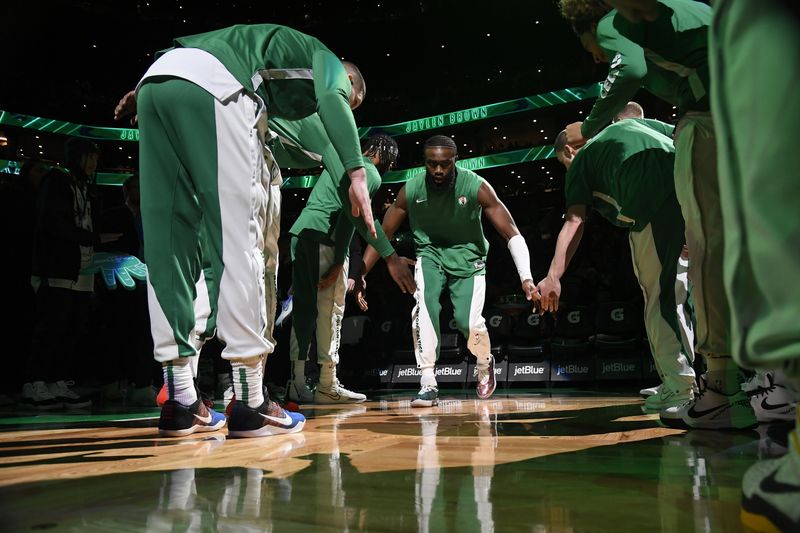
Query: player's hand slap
{"x": 532, "y": 294}
{"x": 398, "y": 269}
{"x": 360, "y": 291}
{"x": 550, "y": 291}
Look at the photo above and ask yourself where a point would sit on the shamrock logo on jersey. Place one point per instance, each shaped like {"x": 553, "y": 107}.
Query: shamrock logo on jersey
{"x": 462, "y": 201}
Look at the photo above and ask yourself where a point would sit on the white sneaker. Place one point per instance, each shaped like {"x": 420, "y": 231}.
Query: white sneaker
{"x": 38, "y": 396}
{"x": 711, "y": 409}
{"x": 646, "y": 393}
{"x": 665, "y": 397}
{"x": 64, "y": 394}
{"x": 771, "y": 401}
{"x": 299, "y": 392}
{"x": 336, "y": 393}
{"x": 428, "y": 396}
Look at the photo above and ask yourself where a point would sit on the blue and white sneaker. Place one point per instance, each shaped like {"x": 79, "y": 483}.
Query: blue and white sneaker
{"x": 286, "y": 310}
{"x": 178, "y": 420}
{"x": 267, "y": 419}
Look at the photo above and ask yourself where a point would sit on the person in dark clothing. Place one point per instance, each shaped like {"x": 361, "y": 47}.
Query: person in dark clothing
{"x": 64, "y": 242}
{"x": 124, "y": 313}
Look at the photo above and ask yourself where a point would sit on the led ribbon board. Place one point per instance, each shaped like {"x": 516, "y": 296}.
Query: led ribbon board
{"x": 68, "y": 128}
{"x": 464, "y": 116}
{"x": 474, "y": 114}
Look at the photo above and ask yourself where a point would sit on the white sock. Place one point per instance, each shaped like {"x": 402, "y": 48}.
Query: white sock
{"x": 428, "y": 377}
{"x": 179, "y": 380}
{"x": 248, "y": 380}
{"x": 194, "y": 362}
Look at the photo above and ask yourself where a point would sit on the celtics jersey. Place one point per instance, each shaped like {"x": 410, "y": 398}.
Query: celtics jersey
{"x": 304, "y": 143}
{"x": 327, "y": 217}
{"x": 631, "y": 67}
{"x": 295, "y": 74}
{"x": 447, "y": 223}
{"x": 676, "y": 41}
{"x": 625, "y": 172}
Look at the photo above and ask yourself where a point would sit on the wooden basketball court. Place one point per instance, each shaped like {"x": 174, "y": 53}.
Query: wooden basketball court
{"x": 516, "y": 462}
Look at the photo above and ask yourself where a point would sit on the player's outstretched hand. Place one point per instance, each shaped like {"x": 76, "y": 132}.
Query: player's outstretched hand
{"x": 360, "y": 292}
{"x": 398, "y": 269}
{"x": 330, "y": 277}
{"x": 359, "y": 198}
{"x": 532, "y": 294}
{"x": 127, "y": 106}
{"x": 115, "y": 267}
{"x": 574, "y": 135}
{"x": 550, "y": 291}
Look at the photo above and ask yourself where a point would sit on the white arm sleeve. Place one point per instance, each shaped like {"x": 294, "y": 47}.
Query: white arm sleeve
{"x": 522, "y": 259}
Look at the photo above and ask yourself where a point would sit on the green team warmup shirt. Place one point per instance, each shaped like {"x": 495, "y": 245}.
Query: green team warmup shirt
{"x": 327, "y": 218}
{"x": 625, "y": 172}
{"x": 447, "y": 223}
{"x": 303, "y": 77}
{"x": 667, "y": 57}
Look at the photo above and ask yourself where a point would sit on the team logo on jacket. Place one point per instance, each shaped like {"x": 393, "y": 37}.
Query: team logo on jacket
{"x": 462, "y": 201}
{"x": 479, "y": 265}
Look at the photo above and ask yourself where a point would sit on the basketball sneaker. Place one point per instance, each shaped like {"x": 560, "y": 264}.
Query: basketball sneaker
{"x": 771, "y": 492}
{"x": 162, "y": 396}
{"x": 178, "y": 420}
{"x": 667, "y": 398}
{"x": 299, "y": 391}
{"x": 486, "y": 381}
{"x": 267, "y": 419}
{"x": 67, "y": 397}
{"x": 771, "y": 401}
{"x": 336, "y": 393}
{"x": 38, "y": 396}
{"x": 711, "y": 409}
{"x": 650, "y": 391}
{"x": 428, "y": 396}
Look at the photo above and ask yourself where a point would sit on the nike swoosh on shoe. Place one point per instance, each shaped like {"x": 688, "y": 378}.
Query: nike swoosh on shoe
{"x": 768, "y": 406}
{"x": 286, "y": 420}
{"x": 698, "y": 414}
{"x": 204, "y": 419}
{"x": 771, "y": 485}
{"x": 331, "y": 396}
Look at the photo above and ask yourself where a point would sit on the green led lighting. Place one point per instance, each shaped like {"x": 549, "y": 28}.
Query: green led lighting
{"x": 474, "y": 114}
{"x": 463, "y": 116}
{"x": 68, "y": 128}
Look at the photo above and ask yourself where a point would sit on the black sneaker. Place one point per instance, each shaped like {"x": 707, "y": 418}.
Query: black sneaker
{"x": 267, "y": 419}
{"x": 178, "y": 420}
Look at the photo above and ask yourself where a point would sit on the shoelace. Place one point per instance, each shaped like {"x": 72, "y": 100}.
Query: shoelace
{"x": 428, "y": 388}
{"x": 763, "y": 391}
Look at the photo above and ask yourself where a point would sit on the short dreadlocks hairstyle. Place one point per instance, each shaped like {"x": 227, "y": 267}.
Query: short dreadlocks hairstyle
{"x": 383, "y": 146}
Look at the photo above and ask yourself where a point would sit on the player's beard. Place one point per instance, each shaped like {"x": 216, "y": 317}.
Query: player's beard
{"x": 445, "y": 184}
